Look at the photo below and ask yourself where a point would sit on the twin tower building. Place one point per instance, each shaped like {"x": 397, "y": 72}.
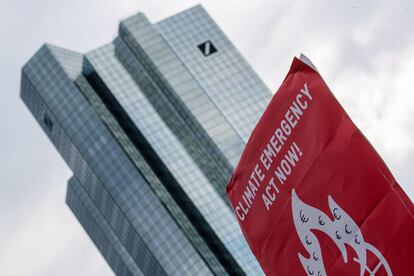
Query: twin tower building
{"x": 152, "y": 125}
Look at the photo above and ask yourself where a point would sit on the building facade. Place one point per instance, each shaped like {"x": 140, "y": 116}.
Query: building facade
{"x": 152, "y": 126}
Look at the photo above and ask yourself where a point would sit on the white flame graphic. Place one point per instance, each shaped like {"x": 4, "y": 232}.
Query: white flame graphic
{"x": 342, "y": 230}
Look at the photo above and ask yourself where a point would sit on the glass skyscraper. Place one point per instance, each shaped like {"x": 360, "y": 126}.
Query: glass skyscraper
{"x": 152, "y": 126}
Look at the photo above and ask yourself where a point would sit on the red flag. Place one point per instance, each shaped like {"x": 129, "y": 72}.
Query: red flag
{"x": 312, "y": 196}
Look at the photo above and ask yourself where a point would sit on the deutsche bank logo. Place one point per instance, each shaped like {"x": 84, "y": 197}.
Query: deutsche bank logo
{"x": 207, "y": 48}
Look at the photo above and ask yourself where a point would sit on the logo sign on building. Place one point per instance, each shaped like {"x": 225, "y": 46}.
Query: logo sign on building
{"x": 207, "y": 48}
{"x": 311, "y": 194}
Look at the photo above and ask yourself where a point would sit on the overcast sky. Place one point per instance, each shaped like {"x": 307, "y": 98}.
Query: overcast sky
{"x": 363, "y": 49}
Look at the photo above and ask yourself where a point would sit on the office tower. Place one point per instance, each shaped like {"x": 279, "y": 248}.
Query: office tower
{"x": 152, "y": 126}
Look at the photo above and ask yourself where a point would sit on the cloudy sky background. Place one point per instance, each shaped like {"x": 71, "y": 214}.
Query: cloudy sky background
{"x": 363, "y": 49}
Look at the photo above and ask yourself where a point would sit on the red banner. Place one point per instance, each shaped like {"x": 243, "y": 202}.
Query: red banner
{"x": 312, "y": 196}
